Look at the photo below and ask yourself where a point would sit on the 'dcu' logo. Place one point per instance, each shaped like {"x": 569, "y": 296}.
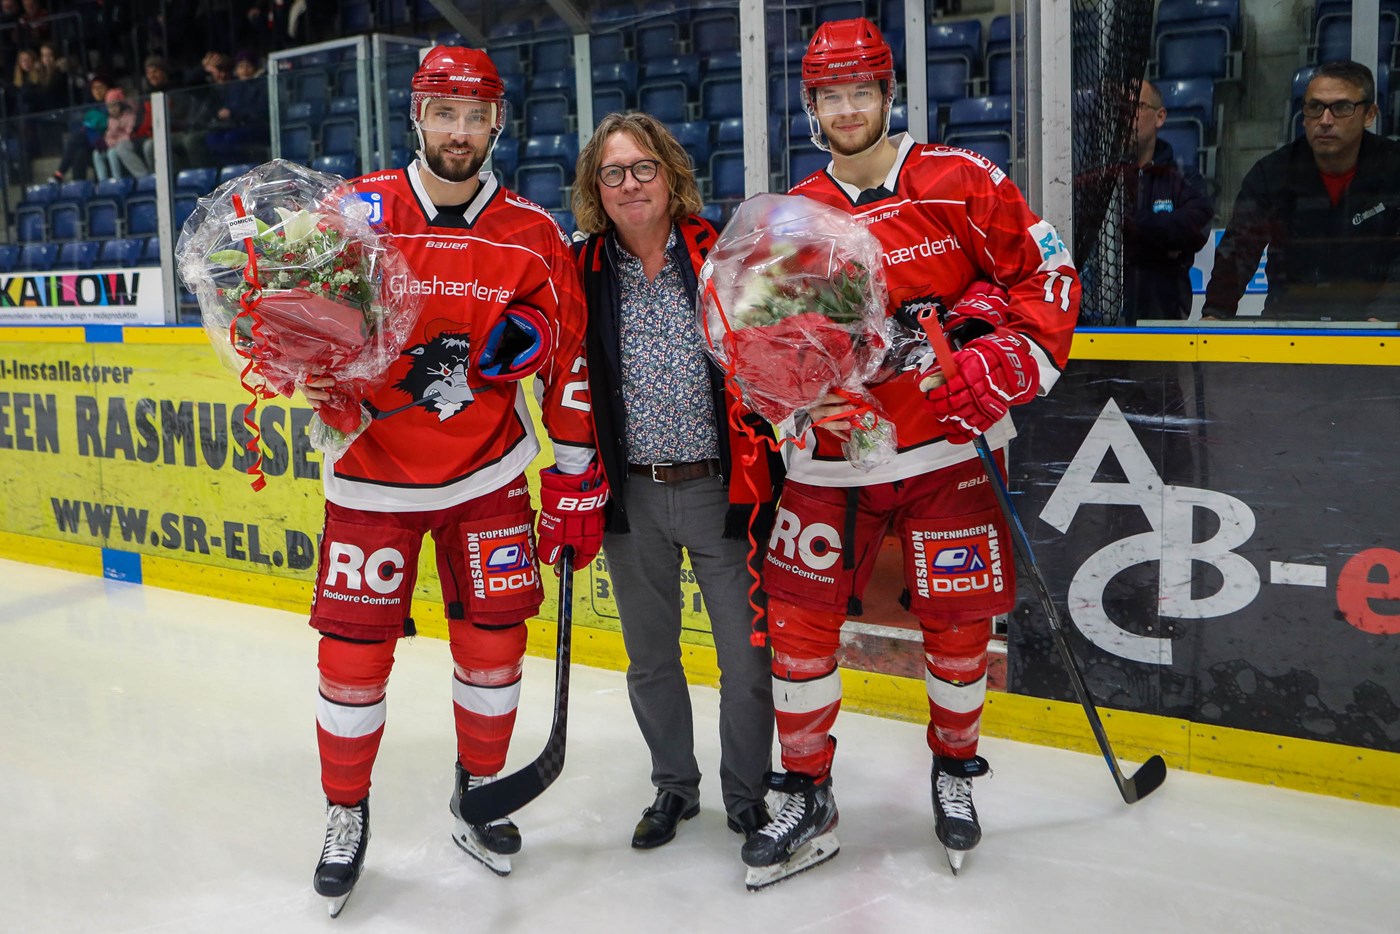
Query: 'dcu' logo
{"x": 507, "y": 558}
{"x": 959, "y": 559}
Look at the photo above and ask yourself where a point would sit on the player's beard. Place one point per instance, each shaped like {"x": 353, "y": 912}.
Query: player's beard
{"x": 862, "y": 143}
{"x": 455, "y": 171}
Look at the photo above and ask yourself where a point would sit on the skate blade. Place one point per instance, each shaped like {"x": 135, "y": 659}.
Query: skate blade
{"x": 466, "y": 841}
{"x": 815, "y": 852}
{"x": 335, "y": 904}
{"x": 955, "y": 859}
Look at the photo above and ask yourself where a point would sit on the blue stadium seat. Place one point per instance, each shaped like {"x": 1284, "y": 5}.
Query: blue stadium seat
{"x": 9, "y": 257}
{"x": 183, "y": 207}
{"x": 694, "y": 137}
{"x": 785, "y": 94}
{"x": 828, "y": 10}
{"x": 714, "y": 30}
{"x": 657, "y": 38}
{"x": 77, "y": 254}
{"x": 344, "y": 164}
{"x": 1173, "y": 14}
{"x": 120, "y": 252}
{"x": 713, "y": 213}
{"x": 608, "y": 47}
{"x": 339, "y": 135}
{"x": 150, "y": 251}
{"x": 65, "y": 220}
{"x": 552, "y": 54}
{"x": 666, "y": 102}
{"x": 310, "y": 84}
{"x": 38, "y": 257}
{"x": 561, "y": 149}
{"x": 982, "y": 124}
{"x": 722, "y": 98}
{"x": 565, "y": 220}
{"x": 992, "y": 109}
{"x": 78, "y": 190}
{"x": 724, "y": 64}
{"x": 107, "y": 206}
{"x": 1333, "y": 42}
{"x": 899, "y": 118}
{"x": 1185, "y": 136}
{"x": 995, "y": 146}
{"x": 1194, "y": 51}
{"x": 141, "y": 218}
{"x": 296, "y": 142}
{"x": 727, "y": 173}
{"x": 504, "y": 160}
{"x": 616, "y": 75}
{"x": 510, "y": 58}
{"x": 542, "y": 82}
{"x": 43, "y": 193}
{"x": 197, "y": 181}
{"x": 948, "y": 79}
{"x": 303, "y": 112}
{"x": 547, "y": 114}
{"x": 784, "y": 25}
{"x": 803, "y": 161}
{"x": 31, "y": 223}
{"x": 542, "y": 183}
{"x": 344, "y": 105}
{"x": 962, "y": 39}
{"x": 684, "y": 69}
{"x": 608, "y": 100}
{"x": 229, "y": 172}
{"x": 355, "y": 16}
{"x": 1189, "y": 97}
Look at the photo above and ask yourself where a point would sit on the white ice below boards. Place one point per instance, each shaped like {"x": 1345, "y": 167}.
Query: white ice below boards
{"x": 158, "y": 773}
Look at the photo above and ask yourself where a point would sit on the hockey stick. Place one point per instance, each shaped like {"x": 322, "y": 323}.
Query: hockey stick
{"x": 506, "y": 795}
{"x": 1152, "y": 772}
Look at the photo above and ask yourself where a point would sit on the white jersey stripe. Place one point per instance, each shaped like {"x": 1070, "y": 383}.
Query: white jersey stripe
{"x": 958, "y": 698}
{"x": 486, "y": 701}
{"x": 807, "y": 696}
{"x": 350, "y": 722}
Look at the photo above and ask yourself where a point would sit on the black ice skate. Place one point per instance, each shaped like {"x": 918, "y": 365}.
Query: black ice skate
{"x": 491, "y": 843}
{"x": 343, "y": 855}
{"x": 801, "y": 836}
{"x": 954, "y": 817}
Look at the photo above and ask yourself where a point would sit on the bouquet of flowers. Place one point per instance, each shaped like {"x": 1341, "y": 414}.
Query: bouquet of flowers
{"x": 293, "y": 283}
{"x": 792, "y": 306}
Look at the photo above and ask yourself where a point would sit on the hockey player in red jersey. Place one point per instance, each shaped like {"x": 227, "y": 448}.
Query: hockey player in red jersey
{"x": 959, "y": 240}
{"x": 445, "y": 454}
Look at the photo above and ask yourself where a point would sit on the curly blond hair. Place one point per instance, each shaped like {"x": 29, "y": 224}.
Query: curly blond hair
{"x": 652, "y": 136}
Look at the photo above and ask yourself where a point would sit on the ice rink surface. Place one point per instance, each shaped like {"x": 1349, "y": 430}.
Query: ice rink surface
{"x": 158, "y": 773}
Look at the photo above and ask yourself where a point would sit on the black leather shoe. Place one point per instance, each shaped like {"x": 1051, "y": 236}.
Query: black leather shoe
{"x": 658, "y": 823}
{"x": 750, "y": 819}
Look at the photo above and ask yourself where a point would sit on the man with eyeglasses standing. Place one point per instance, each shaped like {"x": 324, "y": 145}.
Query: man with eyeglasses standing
{"x": 1327, "y": 207}
{"x": 1166, "y": 221}
{"x": 682, "y": 477}
{"x": 445, "y": 454}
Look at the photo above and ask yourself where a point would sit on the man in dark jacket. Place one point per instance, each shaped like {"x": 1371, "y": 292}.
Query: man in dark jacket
{"x": 683, "y": 477}
{"x": 1168, "y": 220}
{"x": 1327, "y": 207}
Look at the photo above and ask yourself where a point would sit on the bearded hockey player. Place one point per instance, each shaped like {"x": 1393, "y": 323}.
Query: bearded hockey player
{"x": 956, "y": 234}
{"x": 445, "y": 454}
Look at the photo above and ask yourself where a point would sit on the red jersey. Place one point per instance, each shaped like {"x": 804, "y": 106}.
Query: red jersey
{"x": 441, "y": 434}
{"x": 948, "y": 218}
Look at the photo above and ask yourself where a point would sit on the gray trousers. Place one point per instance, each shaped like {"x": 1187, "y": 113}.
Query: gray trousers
{"x": 645, "y": 566}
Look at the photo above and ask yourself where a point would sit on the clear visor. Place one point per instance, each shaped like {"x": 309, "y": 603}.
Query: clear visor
{"x": 831, "y": 99}
{"x": 457, "y": 115}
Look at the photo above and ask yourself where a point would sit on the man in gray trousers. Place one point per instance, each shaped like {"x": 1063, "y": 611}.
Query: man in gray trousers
{"x": 675, "y": 466}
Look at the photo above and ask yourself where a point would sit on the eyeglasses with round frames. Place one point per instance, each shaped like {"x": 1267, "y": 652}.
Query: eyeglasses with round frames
{"x": 643, "y": 170}
{"x": 1342, "y": 108}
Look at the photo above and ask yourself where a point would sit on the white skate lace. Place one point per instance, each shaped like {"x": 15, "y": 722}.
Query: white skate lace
{"x": 955, "y": 795}
{"x": 793, "y": 810}
{"x": 476, "y": 781}
{"x": 343, "y": 829}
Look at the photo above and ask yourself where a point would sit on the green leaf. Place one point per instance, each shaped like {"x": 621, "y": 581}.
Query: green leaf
{"x": 233, "y": 259}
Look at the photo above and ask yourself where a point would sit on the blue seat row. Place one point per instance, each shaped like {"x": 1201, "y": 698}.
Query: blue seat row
{"x": 80, "y": 255}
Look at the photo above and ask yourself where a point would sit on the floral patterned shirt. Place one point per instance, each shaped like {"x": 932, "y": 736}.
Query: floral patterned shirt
{"x": 665, "y": 380}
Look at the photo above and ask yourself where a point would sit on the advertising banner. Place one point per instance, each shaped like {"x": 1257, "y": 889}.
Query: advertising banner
{"x": 1224, "y": 538}
{"x": 89, "y": 296}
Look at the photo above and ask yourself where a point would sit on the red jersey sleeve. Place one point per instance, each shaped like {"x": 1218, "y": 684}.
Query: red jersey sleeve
{"x": 565, "y": 406}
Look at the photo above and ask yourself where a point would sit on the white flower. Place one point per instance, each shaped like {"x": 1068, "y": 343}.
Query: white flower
{"x": 298, "y": 225}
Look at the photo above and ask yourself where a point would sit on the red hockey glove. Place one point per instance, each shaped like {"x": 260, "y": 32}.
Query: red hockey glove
{"x": 571, "y": 513}
{"x": 994, "y": 373}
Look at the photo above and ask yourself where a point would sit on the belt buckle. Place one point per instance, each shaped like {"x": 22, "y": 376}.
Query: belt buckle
{"x": 654, "y": 477}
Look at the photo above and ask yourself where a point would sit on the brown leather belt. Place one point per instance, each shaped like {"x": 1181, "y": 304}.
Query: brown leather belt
{"x": 677, "y": 473}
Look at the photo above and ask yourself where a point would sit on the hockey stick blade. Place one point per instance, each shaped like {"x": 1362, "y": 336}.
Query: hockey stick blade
{"x": 509, "y": 794}
{"x": 1152, "y": 772}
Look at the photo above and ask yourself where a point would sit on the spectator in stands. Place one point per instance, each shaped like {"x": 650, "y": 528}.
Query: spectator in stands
{"x": 241, "y": 117}
{"x": 32, "y": 25}
{"x": 1326, "y": 208}
{"x": 186, "y": 114}
{"x": 1167, "y": 221}
{"x": 54, "y": 73}
{"x": 87, "y": 143}
{"x": 30, "y": 92}
{"x": 121, "y": 148}
{"x": 675, "y": 466}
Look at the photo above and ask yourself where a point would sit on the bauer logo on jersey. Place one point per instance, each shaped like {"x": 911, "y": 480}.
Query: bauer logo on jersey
{"x": 956, "y": 561}
{"x": 374, "y": 201}
{"x": 500, "y": 561}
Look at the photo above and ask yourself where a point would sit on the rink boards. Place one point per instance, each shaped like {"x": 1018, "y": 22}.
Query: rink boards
{"x": 1216, "y": 514}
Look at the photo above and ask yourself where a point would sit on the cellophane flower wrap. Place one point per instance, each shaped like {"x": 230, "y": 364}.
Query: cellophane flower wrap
{"x": 315, "y": 301}
{"x": 792, "y": 306}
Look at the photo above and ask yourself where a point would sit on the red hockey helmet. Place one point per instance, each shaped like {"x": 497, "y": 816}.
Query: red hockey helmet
{"x": 847, "y": 50}
{"x": 452, "y": 71}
